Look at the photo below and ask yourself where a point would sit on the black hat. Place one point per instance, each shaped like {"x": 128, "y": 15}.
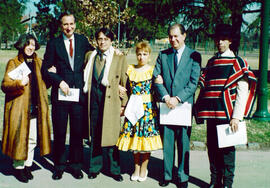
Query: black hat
{"x": 223, "y": 30}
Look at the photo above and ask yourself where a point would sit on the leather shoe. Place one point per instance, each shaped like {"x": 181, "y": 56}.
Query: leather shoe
{"x": 27, "y": 171}
{"x": 182, "y": 184}
{"x": 77, "y": 174}
{"x": 214, "y": 184}
{"x": 57, "y": 174}
{"x": 21, "y": 176}
{"x": 164, "y": 183}
{"x": 117, "y": 177}
{"x": 93, "y": 175}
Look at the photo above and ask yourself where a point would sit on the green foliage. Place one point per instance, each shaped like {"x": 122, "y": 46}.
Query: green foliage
{"x": 202, "y": 16}
{"x": 10, "y": 17}
{"x": 151, "y": 18}
{"x": 46, "y": 18}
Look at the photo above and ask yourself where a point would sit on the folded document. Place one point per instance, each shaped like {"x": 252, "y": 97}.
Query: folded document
{"x": 180, "y": 115}
{"x": 227, "y": 138}
{"x": 73, "y": 96}
{"x": 19, "y": 72}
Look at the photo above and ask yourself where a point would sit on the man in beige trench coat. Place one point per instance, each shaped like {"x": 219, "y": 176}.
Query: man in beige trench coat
{"x": 105, "y": 71}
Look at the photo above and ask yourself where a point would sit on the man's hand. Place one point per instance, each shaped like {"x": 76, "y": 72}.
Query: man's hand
{"x": 52, "y": 69}
{"x": 159, "y": 80}
{"x": 64, "y": 87}
{"x": 173, "y": 102}
{"x": 234, "y": 124}
{"x": 122, "y": 91}
{"x": 167, "y": 99}
{"x": 25, "y": 80}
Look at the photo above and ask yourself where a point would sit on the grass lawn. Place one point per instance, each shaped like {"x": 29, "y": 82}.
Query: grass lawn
{"x": 257, "y": 131}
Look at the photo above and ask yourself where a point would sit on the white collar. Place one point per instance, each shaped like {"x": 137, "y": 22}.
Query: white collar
{"x": 65, "y": 37}
{"x": 180, "y": 50}
{"x": 107, "y": 52}
{"x": 227, "y": 53}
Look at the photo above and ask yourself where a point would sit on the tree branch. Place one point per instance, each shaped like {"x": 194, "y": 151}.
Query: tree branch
{"x": 251, "y": 11}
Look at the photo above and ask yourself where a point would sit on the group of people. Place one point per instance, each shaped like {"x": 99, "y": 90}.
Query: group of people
{"x": 108, "y": 88}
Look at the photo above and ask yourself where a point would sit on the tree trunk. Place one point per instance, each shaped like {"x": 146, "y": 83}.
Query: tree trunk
{"x": 237, "y": 20}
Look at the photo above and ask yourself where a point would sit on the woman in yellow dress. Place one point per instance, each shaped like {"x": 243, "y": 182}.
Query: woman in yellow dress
{"x": 139, "y": 133}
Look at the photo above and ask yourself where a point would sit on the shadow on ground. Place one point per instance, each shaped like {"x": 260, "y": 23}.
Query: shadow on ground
{"x": 126, "y": 160}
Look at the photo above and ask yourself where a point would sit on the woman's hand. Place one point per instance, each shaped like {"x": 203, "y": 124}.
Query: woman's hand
{"x": 159, "y": 80}
{"x": 118, "y": 52}
{"x": 25, "y": 80}
{"x": 52, "y": 69}
{"x": 122, "y": 91}
{"x": 122, "y": 111}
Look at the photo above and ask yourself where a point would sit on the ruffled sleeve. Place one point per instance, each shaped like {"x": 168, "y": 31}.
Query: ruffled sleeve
{"x": 138, "y": 76}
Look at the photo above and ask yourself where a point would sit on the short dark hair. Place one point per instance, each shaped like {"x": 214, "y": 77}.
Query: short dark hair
{"x": 180, "y": 26}
{"x": 107, "y": 32}
{"x": 66, "y": 13}
{"x": 24, "y": 40}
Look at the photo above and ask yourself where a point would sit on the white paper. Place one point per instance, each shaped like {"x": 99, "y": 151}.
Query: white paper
{"x": 181, "y": 115}
{"x": 134, "y": 109}
{"x": 227, "y": 138}
{"x": 19, "y": 72}
{"x": 73, "y": 95}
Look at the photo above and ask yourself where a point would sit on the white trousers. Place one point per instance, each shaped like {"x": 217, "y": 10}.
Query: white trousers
{"x": 20, "y": 164}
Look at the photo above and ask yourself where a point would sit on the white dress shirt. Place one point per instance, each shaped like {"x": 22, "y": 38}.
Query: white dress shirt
{"x": 67, "y": 45}
{"x": 179, "y": 53}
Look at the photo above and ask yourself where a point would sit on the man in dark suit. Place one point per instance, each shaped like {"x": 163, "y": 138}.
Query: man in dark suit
{"x": 66, "y": 53}
{"x": 176, "y": 76}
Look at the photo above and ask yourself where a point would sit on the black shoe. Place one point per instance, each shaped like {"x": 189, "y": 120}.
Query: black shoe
{"x": 164, "y": 183}
{"x": 77, "y": 174}
{"x": 182, "y": 184}
{"x": 57, "y": 174}
{"x": 21, "y": 176}
{"x": 28, "y": 173}
{"x": 93, "y": 175}
{"x": 117, "y": 177}
{"x": 215, "y": 185}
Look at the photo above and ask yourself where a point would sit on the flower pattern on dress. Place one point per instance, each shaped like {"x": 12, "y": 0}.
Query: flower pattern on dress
{"x": 144, "y": 135}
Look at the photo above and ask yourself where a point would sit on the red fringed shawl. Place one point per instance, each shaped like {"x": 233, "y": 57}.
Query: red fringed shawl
{"x": 218, "y": 87}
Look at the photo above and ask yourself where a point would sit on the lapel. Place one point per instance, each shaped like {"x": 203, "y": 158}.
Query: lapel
{"x": 183, "y": 61}
{"x": 76, "y": 52}
{"x": 112, "y": 67}
{"x": 62, "y": 50}
{"x": 170, "y": 62}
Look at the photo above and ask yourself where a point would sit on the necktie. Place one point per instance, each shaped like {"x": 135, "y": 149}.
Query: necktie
{"x": 175, "y": 60}
{"x": 100, "y": 64}
{"x": 70, "y": 48}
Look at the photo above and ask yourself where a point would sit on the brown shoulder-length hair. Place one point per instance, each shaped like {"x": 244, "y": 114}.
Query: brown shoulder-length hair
{"x": 24, "y": 40}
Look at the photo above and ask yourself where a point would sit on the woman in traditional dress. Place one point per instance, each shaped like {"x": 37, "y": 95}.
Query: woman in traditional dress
{"x": 139, "y": 133}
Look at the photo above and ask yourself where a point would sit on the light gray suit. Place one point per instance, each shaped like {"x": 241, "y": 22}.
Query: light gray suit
{"x": 181, "y": 83}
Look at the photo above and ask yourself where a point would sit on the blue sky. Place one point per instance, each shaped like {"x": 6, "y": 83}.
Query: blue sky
{"x": 31, "y": 9}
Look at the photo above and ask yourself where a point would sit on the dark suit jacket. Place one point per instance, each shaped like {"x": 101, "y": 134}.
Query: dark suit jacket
{"x": 56, "y": 55}
{"x": 183, "y": 82}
